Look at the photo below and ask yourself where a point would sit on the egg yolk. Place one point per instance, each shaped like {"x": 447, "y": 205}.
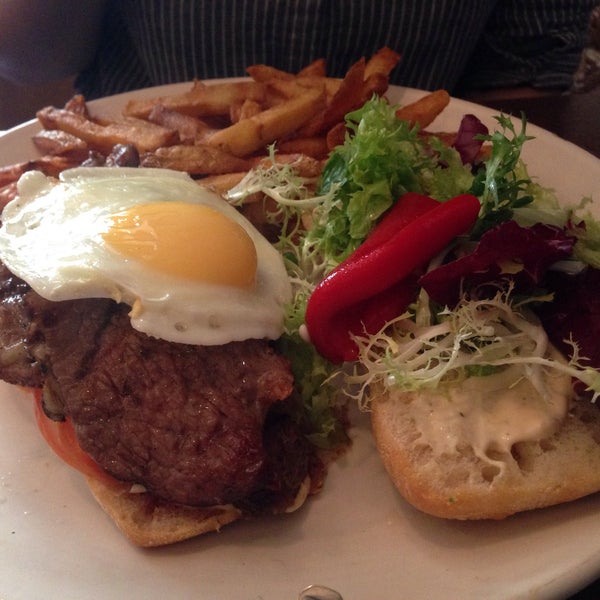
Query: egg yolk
{"x": 184, "y": 240}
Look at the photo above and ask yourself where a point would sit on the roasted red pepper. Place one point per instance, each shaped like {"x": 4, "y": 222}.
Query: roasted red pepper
{"x": 377, "y": 281}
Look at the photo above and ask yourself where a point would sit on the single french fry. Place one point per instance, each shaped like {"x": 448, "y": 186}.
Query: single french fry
{"x": 305, "y": 166}
{"x": 58, "y": 142}
{"x": 77, "y": 104}
{"x": 244, "y": 110}
{"x": 317, "y": 68}
{"x": 11, "y": 173}
{"x": 375, "y": 84}
{"x": 223, "y": 182}
{"x": 263, "y": 73}
{"x": 336, "y": 135}
{"x": 249, "y": 135}
{"x": 240, "y": 139}
{"x": 190, "y": 129}
{"x": 8, "y": 192}
{"x": 201, "y": 100}
{"x": 195, "y": 160}
{"x": 53, "y": 166}
{"x": 382, "y": 62}
{"x": 280, "y": 89}
{"x": 312, "y": 146}
{"x": 143, "y": 135}
{"x": 260, "y": 210}
{"x": 448, "y": 137}
{"x": 331, "y": 84}
{"x": 348, "y": 97}
{"x": 49, "y": 165}
{"x": 423, "y": 111}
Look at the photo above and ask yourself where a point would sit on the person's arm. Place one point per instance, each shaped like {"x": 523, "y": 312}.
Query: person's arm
{"x": 43, "y": 40}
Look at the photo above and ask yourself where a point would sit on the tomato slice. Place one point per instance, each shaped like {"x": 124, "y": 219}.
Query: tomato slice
{"x": 60, "y": 436}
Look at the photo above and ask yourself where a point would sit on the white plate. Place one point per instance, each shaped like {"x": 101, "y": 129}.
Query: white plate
{"x": 358, "y": 536}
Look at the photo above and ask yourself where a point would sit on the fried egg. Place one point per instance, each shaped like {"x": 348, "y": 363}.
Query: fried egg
{"x": 192, "y": 268}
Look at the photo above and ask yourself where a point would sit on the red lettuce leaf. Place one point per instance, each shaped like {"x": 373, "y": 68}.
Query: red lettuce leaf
{"x": 466, "y": 142}
{"x": 574, "y": 313}
{"x": 506, "y": 252}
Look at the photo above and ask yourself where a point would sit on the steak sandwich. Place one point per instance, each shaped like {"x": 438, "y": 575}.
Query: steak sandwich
{"x": 183, "y": 438}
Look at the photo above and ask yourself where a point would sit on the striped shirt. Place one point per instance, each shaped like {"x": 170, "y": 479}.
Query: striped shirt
{"x": 496, "y": 42}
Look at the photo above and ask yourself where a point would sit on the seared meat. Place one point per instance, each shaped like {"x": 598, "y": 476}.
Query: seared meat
{"x": 188, "y": 422}
{"x": 18, "y": 364}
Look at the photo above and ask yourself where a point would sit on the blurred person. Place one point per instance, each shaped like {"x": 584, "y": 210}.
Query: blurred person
{"x": 587, "y": 75}
{"x": 121, "y": 45}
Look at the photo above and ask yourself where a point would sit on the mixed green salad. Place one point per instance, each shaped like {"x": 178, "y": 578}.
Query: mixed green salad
{"x": 420, "y": 262}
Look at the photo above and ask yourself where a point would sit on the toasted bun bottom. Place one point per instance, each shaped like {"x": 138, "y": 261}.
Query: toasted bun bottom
{"x": 147, "y": 522}
{"x": 461, "y": 485}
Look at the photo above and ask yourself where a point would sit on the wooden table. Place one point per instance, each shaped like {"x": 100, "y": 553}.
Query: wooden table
{"x": 573, "y": 117}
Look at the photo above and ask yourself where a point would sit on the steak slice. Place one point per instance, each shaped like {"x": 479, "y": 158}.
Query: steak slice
{"x": 18, "y": 363}
{"x": 187, "y": 422}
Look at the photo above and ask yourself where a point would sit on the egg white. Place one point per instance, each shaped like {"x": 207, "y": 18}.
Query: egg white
{"x": 51, "y": 237}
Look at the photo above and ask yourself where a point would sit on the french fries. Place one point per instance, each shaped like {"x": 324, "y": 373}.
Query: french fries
{"x": 249, "y": 135}
{"x": 217, "y": 131}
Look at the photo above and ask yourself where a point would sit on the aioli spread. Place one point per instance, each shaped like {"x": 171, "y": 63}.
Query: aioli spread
{"x": 493, "y": 412}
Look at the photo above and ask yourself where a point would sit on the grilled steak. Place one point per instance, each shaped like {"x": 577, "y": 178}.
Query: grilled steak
{"x": 18, "y": 364}
{"x": 187, "y": 422}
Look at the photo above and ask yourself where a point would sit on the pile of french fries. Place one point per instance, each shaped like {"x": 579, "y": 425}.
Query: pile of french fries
{"x": 217, "y": 132}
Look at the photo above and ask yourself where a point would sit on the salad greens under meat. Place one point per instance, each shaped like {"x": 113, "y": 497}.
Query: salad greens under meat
{"x": 518, "y": 274}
